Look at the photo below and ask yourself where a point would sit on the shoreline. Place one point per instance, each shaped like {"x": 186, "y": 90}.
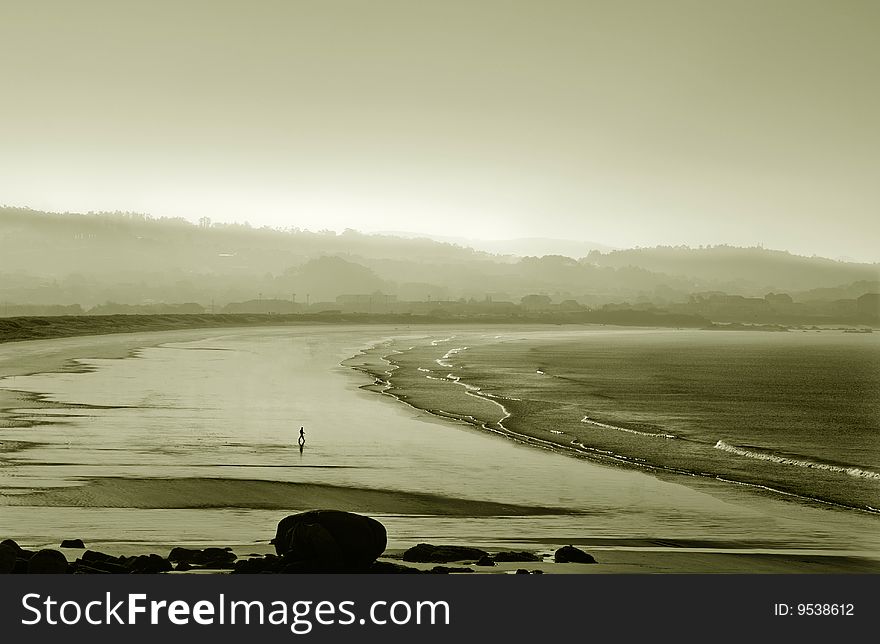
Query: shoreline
{"x": 20, "y": 329}
{"x": 378, "y": 362}
{"x": 26, "y": 328}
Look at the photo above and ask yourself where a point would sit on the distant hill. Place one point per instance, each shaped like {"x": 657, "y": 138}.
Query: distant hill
{"x": 520, "y": 247}
{"x": 736, "y": 269}
{"x": 49, "y": 259}
{"x": 843, "y": 292}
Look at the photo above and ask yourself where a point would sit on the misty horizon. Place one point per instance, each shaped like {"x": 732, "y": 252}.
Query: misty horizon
{"x": 502, "y": 246}
{"x": 112, "y": 263}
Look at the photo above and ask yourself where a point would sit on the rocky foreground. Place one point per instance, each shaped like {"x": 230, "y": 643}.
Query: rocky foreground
{"x": 319, "y": 541}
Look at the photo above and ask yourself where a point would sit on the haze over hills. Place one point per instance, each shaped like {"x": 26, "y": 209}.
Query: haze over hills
{"x": 522, "y": 246}
{"x": 133, "y": 259}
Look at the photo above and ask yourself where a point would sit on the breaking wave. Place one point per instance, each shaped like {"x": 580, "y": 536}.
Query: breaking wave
{"x": 796, "y": 462}
{"x": 596, "y": 423}
{"x": 443, "y": 361}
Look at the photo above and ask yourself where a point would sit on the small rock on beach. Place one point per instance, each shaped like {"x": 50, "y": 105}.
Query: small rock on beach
{"x": 428, "y": 553}
{"x": 570, "y": 554}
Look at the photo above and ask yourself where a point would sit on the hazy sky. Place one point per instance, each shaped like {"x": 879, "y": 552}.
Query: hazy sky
{"x": 639, "y": 122}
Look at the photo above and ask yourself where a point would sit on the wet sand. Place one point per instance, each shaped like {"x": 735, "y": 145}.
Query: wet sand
{"x": 240, "y": 510}
{"x": 61, "y": 354}
{"x": 182, "y": 493}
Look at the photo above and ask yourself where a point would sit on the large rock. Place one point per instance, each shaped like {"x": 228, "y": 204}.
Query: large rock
{"x": 47, "y": 562}
{"x": 330, "y": 539}
{"x": 72, "y": 543}
{"x": 20, "y": 552}
{"x": 427, "y": 553}
{"x": 570, "y": 554}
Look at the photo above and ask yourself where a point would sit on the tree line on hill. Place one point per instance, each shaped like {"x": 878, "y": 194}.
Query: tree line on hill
{"x": 116, "y": 263}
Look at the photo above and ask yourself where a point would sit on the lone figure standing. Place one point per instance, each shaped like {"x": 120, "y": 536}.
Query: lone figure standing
{"x": 302, "y": 437}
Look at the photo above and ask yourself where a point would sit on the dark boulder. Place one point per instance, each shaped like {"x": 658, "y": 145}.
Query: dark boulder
{"x": 73, "y": 543}
{"x": 219, "y": 553}
{"x": 314, "y": 542}
{"x": 207, "y": 558}
{"x": 427, "y": 553}
{"x": 146, "y": 564}
{"x": 486, "y": 561}
{"x": 520, "y": 555}
{"x": 257, "y": 565}
{"x": 47, "y": 562}
{"x": 570, "y": 554}
{"x": 331, "y": 540}
{"x": 8, "y": 556}
{"x": 20, "y": 552}
{"x": 97, "y": 562}
{"x": 183, "y": 554}
{"x": 522, "y": 571}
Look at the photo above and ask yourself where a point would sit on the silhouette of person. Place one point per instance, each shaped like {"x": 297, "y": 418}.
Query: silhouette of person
{"x": 302, "y": 437}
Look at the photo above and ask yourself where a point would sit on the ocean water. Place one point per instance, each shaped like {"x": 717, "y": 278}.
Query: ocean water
{"x": 228, "y": 407}
{"x": 797, "y": 413}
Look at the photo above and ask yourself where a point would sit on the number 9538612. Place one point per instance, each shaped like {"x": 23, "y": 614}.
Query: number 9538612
{"x": 825, "y": 609}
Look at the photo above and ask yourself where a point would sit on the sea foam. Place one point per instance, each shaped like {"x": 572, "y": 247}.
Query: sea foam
{"x": 797, "y": 462}
{"x": 443, "y": 361}
{"x": 590, "y": 421}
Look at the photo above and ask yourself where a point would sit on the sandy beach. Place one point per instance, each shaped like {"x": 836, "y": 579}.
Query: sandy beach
{"x": 144, "y": 468}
